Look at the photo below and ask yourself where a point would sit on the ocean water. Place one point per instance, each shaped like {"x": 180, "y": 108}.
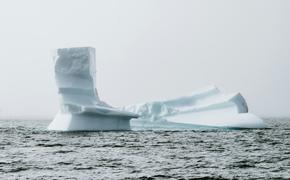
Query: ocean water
{"x": 28, "y": 151}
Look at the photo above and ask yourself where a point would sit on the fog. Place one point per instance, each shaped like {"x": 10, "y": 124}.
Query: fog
{"x": 147, "y": 50}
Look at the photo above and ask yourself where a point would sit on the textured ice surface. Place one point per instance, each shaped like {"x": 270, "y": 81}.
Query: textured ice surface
{"x": 81, "y": 108}
{"x": 205, "y": 107}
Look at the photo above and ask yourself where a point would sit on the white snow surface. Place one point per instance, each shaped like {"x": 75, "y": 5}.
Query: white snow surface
{"x": 205, "y": 107}
{"x": 80, "y": 106}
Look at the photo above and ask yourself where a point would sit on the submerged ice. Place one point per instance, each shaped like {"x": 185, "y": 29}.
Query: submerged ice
{"x": 82, "y": 110}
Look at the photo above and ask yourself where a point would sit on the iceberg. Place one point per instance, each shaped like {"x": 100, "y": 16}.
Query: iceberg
{"x": 80, "y": 106}
{"x": 205, "y": 107}
{"x": 82, "y": 110}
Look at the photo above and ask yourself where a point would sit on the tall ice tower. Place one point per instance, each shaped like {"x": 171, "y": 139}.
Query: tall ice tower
{"x": 80, "y": 106}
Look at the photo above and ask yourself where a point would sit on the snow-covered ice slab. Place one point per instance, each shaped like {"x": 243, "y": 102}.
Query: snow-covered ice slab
{"x": 205, "y": 107}
{"x": 81, "y": 108}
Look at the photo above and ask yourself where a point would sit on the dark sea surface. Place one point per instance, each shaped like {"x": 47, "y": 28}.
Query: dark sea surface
{"x": 28, "y": 151}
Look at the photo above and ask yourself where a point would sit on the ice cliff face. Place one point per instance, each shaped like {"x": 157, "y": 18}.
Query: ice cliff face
{"x": 205, "y": 107}
{"x": 80, "y": 106}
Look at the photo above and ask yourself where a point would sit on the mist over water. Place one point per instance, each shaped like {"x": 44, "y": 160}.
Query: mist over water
{"x": 28, "y": 151}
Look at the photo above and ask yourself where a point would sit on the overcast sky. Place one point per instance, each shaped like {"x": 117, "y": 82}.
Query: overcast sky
{"x": 147, "y": 50}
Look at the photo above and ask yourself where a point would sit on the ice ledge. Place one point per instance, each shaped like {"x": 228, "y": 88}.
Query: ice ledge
{"x": 205, "y": 107}
{"x": 89, "y": 122}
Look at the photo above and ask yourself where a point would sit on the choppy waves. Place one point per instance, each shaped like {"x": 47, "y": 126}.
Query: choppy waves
{"x": 27, "y": 151}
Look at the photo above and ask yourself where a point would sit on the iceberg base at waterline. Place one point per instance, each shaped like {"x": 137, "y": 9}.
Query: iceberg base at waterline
{"x": 88, "y": 122}
{"x": 240, "y": 121}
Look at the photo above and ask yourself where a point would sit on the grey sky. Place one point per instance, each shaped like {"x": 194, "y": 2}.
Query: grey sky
{"x": 147, "y": 50}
